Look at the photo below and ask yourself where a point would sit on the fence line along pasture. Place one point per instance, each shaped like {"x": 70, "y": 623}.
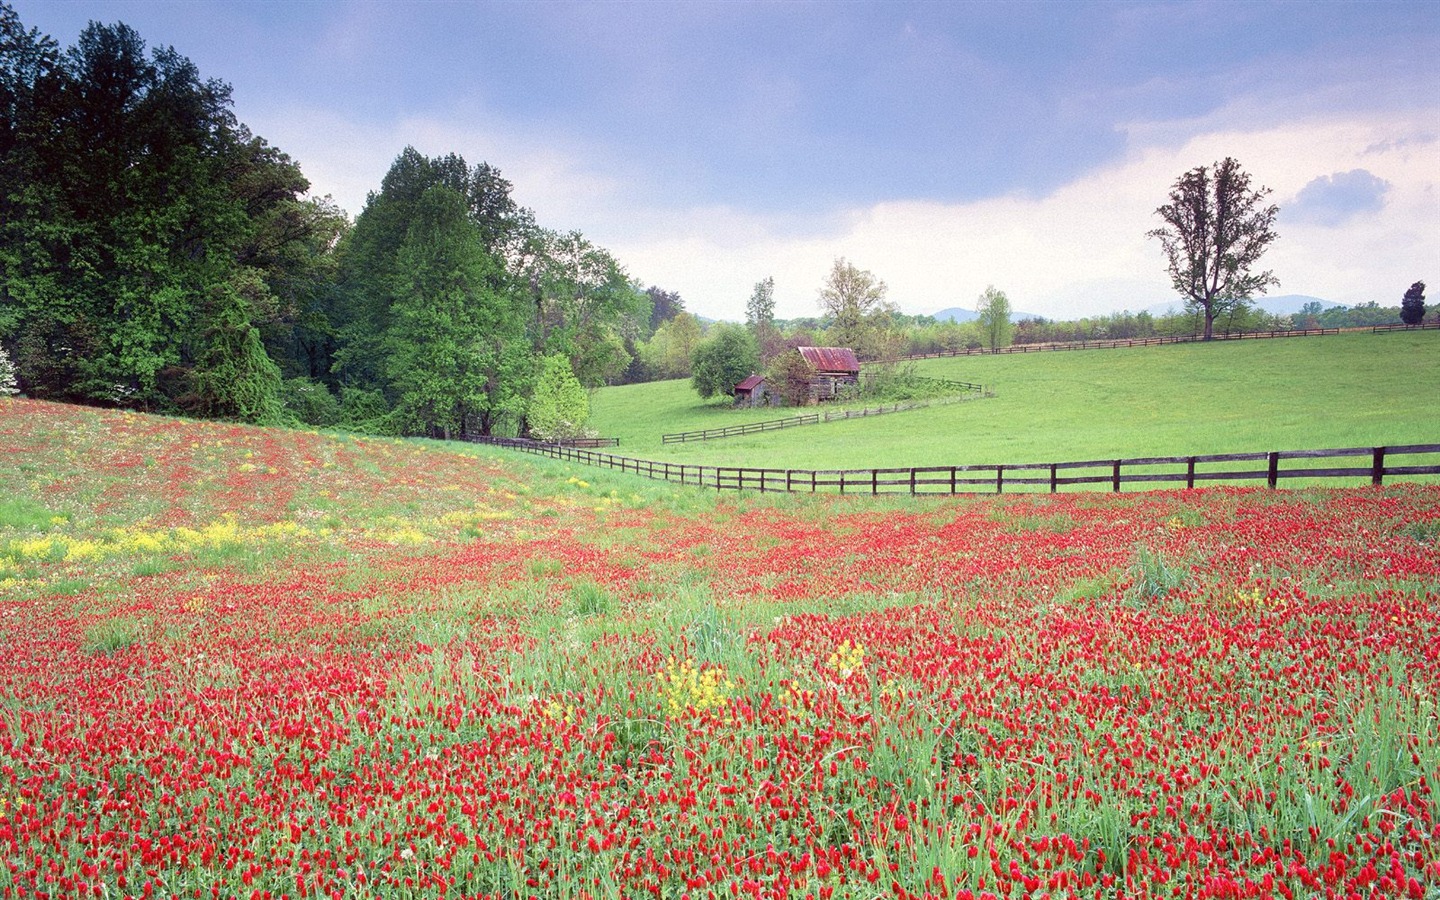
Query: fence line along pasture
{"x": 710, "y": 434}
{"x": 1372, "y": 464}
{"x": 1116, "y": 343}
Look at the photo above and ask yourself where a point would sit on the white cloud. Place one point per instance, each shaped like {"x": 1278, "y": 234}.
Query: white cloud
{"x": 1077, "y": 250}
{"x": 1080, "y": 249}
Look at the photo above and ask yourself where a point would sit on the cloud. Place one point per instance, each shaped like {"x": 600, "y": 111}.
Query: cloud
{"x": 1331, "y": 200}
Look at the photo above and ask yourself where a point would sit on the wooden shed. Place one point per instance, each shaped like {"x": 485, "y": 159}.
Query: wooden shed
{"x": 751, "y": 391}
{"x": 834, "y": 368}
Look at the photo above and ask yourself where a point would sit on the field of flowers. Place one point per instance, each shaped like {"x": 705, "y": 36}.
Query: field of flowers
{"x": 250, "y": 663}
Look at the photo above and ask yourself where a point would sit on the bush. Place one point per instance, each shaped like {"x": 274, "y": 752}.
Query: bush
{"x": 310, "y": 402}
{"x": 8, "y": 386}
{"x": 724, "y": 360}
{"x": 1412, "y": 307}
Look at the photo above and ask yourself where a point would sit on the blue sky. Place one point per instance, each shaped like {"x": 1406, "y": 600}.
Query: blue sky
{"x": 943, "y": 146}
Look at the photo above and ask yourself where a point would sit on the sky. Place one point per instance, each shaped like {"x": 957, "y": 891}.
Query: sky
{"x": 943, "y": 146}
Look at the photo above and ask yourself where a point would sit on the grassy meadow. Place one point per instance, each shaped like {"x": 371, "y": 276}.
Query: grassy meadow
{"x": 262, "y": 663}
{"x": 1349, "y": 390}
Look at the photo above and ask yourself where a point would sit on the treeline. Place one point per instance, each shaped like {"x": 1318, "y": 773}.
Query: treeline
{"x": 155, "y": 254}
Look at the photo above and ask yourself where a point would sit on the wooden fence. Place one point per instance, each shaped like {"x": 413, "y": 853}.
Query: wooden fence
{"x": 710, "y": 434}
{"x": 1366, "y": 464}
{"x": 1385, "y": 329}
{"x": 1113, "y": 344}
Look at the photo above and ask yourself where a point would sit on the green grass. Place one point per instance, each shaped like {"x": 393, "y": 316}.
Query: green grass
{"x": 1350, "y": 390}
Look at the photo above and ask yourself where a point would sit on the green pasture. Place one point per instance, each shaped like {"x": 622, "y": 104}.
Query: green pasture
{"x": 1349, "y": 390}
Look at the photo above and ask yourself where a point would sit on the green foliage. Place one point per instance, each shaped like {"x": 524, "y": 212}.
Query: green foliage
{"x": 725, "y": 358}
{"x": 1052, "y": 407}
{"x": 789, "y": 375}
{"x": 23, "y": 514}
{"x": 144, "y": 232}
{"x": 111, "y": 636}
{"x": 310, "y": 402}
{"x": 560, "y": 407}
{"x": 1153, "y": 577}
{"x": 1412, "y": 305}
{"x": 854, "y": 299}
{"x": 589, "y": 599}
{"x": 994, "y": 309}
{"x": 667, "y": 354}
{"x": 8, "y": 384}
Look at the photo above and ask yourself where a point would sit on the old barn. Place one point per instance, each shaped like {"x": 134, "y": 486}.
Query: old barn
{"x": 834, "y": 368}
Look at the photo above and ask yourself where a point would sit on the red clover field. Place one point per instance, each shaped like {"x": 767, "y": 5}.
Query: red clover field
{"x": 249, "y": 663}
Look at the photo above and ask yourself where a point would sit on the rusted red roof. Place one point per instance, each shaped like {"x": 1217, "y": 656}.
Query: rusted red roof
{"x": 831, "y": 359}
{"x": 750, "y": 383}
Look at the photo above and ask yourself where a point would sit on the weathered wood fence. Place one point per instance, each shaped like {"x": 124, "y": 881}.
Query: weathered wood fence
{"x": 1116, "y": 343}
{"x": 710, "y": 434}
{"x": 1364, "y": 464}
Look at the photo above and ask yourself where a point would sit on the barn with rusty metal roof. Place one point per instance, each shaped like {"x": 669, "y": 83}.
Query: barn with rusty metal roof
{"x": 834, "y": 367}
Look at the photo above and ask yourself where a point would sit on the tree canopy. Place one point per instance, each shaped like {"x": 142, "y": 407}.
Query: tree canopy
{"x": 1216, "y": 229}
{"x": 993, "y": 308}
{"x": 724, "y": 359}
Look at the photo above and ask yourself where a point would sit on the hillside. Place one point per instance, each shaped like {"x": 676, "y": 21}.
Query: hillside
{"x": 247, "y": 662}
{"x": 1348, "y": 390}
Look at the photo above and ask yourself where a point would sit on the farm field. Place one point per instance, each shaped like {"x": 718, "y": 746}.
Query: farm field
{"x": 259, "y": 663}
{"x": 1349, "y": 390}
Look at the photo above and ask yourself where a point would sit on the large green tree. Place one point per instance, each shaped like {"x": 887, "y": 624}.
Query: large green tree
{"x": 140, "y": 247}
{"x": 854, "y": 299}
{"x": 427, "y": 312}
{"x": 723, "y": 359}
{"x": 993, "y": 309}
{"x": 1216, "y": 229}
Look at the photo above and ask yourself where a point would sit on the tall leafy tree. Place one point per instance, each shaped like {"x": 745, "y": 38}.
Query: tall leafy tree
{"x": 583, "y": 303}
{"x": 993, "y": 308}
{"x": 560, "y": 407}
{"x": 1216, "y": 229}
{"x": 760, "y": 317}
{"x": 135, "y": 258}
{"x": 853, "y": 298}
{"x": 723, "y": 359}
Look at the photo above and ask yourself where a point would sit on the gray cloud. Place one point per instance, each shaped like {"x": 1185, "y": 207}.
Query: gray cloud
{"x": 1333, "y": 199}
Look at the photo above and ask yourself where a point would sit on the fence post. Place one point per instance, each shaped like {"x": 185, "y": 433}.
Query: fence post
{"x": 1377, "y": 465}
{"x": 874, "y": 482}
{"x": 1272, "y": 476}
{"x": 1115, "y": 478}
{"x": 999, "y": 479}
{"x": 952, "y": 480}
{"x": 912, "y": 482}
{"x": 1190, "y": 472}
{"x": 1053, "y": 482}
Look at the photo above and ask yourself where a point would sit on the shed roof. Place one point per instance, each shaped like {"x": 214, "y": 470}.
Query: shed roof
{"x": 750, "y": 383}
{"x": 831, "y": 359}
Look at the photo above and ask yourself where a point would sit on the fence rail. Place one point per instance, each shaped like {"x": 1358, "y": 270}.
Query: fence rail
{"x": 1122, "y": 342}
{"x": 1371, "y": 464}
{"x": 1384, "y": 329}
{"x": 710, "y": 434}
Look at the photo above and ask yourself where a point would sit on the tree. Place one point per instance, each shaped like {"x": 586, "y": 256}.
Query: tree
{"x": 8, "y": 386}
{"x": 560, "y": 406}
{"x": 1216, "y": 229}
{"x": 851, "y": 296}
{"x": 994, "y": 309}
{"x": 723, "y": 360}
{"x": 668, "y": 353}
{"x": 790, "y": 376}
{"x": 1412, "y": 307}
{"x": 760, "y": 317}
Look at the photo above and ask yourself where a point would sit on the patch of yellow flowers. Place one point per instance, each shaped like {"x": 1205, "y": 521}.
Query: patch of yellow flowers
{"x": 684, "y": 687}
{"x": 848, "y": 658}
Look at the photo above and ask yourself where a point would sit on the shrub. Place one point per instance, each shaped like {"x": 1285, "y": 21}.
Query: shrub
{"x": 8, "y": 385}
{"x": 1412, "y": 307}
{"x": 311, "y": 402}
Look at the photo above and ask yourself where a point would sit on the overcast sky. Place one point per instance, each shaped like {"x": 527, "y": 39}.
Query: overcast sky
{"x": 943, "y": 146}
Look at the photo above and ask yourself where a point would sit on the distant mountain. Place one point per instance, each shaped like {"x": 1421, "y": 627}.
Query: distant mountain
{"x": 1280, "y": 305}
{"x": 960, "y": 314}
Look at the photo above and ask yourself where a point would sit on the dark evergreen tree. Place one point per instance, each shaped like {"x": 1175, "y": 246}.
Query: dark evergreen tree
{"x": 1412, "y": 306}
